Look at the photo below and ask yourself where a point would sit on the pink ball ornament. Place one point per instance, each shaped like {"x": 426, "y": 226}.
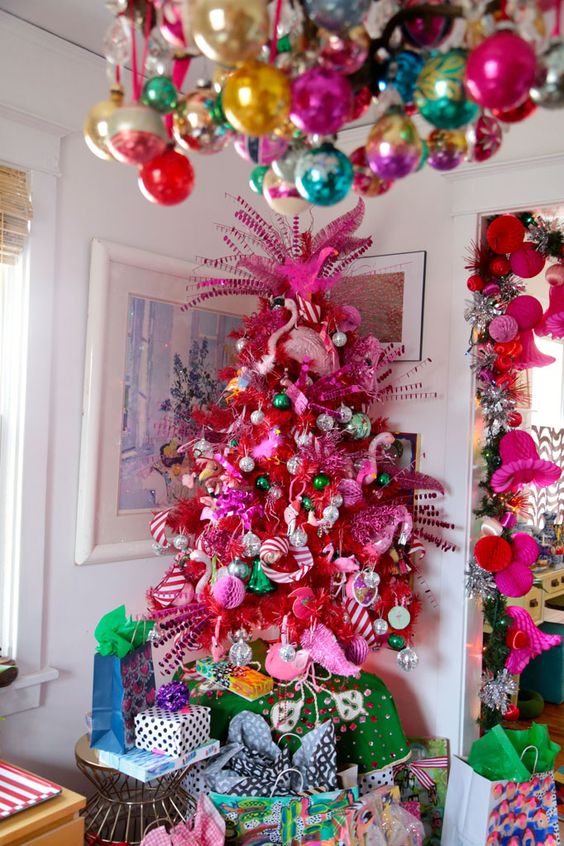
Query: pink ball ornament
{"x": 526, "y": 310}
{"x": 555, "y": 274}
{"x": 344, "y": 52}
{"x": 503, "y": 328}
{"x": 136, "y": 134}
{"x": 501, "y": 70}
{"x": 322, "y": 101}
{"x": 229, "y": 592}
{"x": 357, "y": 650}
{"x": 263, "y": 150}
{"x": 527, "y": 262}
{"x": 426, "y": 31}
{"x": 486, "y": 137}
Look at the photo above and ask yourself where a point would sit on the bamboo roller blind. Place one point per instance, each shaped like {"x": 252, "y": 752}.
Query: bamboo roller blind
{"x": 15, "y": 213}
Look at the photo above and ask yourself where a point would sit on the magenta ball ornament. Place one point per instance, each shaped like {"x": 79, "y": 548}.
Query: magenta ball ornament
{"x": 261, "y": 150}
{"x": 322, "y": 101}
{"x": 501, "y": 70}
{"x": 527, "y": 262}
{"x": 394, "y": 147}
{"x": 426, "y": 31}
{"x": 229, "y": 592}
{"x": 554, "y": 275}
{"x": 357, "y": 650}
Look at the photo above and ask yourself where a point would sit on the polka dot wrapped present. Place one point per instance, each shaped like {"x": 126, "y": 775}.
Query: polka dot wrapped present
{"x": 173, "y": 733}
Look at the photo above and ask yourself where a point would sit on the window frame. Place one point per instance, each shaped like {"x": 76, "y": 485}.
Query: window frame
{"x": 34, "y": 147}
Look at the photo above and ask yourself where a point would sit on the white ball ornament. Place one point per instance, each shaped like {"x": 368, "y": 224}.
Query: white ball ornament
{"x": 339, "y": 339}
{"x": 246, "y": 464}
{"x": 257, "y": 417}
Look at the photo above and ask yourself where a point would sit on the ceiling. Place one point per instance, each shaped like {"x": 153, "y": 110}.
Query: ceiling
{"x": 82, "y": 22}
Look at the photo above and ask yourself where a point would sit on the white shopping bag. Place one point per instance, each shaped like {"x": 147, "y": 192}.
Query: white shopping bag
{"x": 480, "y": 812}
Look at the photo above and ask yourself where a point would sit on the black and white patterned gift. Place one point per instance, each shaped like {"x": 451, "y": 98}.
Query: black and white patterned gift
{"x": 173, "y": 733}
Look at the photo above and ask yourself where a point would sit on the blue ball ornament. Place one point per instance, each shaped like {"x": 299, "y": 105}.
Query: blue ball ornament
{"x": 403, "y": 71}
{"x": 336, "y": 15}
{"x": 440, "y": 94}
{"x": 324, "y": 175}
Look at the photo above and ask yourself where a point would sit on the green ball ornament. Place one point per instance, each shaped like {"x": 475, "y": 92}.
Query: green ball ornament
{"x": 383, "y": 479}
{"x": 440, "y": 94}
{"x": 307, "y": 503}
{"x": 263, "y": 483}
{"x": 257, "y": 178}
{"x": 396, "y": 641}
{"x": 321, "y": 481}
{"x": 359, "y": 426}
{"x": 282, "y": 402}
{"x": 160, "y": 94}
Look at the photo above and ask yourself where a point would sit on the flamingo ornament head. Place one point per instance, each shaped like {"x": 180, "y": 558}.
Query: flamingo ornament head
{"x": 303, "y": 276}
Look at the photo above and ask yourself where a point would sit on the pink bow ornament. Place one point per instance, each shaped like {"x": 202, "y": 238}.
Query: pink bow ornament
{"x": 521, "y": 465}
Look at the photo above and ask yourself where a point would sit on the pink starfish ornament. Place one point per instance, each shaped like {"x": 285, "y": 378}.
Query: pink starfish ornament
{"x": 521, "y": 465}
{"x": 536, "y": 641}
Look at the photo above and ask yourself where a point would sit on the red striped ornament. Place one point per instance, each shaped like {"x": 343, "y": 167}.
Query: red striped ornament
{"x": 273, "y": 549}
{"x": 304, "y": 560}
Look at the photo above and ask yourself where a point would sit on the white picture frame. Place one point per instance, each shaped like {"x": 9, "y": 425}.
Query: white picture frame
{"x": 104, "y": 533}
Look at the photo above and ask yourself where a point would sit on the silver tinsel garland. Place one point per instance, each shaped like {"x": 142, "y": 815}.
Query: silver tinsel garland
{"x": 480, "y": 312}
{"x": 479, "y": 583}
{"x": 496, "y": 404}
{"x": 497, "y": 690}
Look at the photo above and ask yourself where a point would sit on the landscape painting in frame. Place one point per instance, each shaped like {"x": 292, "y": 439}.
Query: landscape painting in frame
{"x": 389, "y": 295}
{"x": 171, "y": 364}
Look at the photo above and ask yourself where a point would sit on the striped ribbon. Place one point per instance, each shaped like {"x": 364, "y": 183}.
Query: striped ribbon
{"x": 310, "y": 312}
{"x": 362, "y": 622}
{"x": 158, "y": 527}
{"x": 419, "y": 769}
{"x": 170, "y": 587}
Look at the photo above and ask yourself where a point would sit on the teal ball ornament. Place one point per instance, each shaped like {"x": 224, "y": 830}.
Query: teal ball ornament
{"x": 282, "y": 402}
{"x": 320, "y": 481}
{"x": 440, "y": 94}
{"x": 359, "y": 426}
{"x": 160, "y": 94}
{"x": 263, "y": 483}
{"x": 324, "y": 175}
{"x": 307, "y": 503}
{"x": 257, "y": 178}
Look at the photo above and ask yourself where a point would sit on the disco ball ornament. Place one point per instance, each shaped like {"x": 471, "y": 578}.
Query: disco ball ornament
{"x": 229, "y": 31}
{"x": 263, "y": 150}
{"x": 247, "y": 464}
{"x": 256, "y": 98}
{"x": 180, "y": 542}
{"x": 158, "y": 548}
{"x": 202, "y": 447}
{"x": 380, "y": 627}
{"x": 447, "y": 148}
{"x": 343, "y": 52}
{"x": 407, "y": 659}
{"x": 393, "y": 148}
{"x": 240, "y": 653}
{"x": 321, "y": 101}
{"x": 337, "y": 500}
{"x": 402, "y": 73}
{"x": 428, "y": 30}
{"x": 96, "y": 123}
{"x": 257, "y": 416}
{"x": 518, "y": 113}
{"x": 359, "y": 427}
{"x": 336, "y": 15}
{"x": 325, "y": 422}
{"x": 240, "y": 344}
{"x": 371, "y": 578}
{"x": 167, "y": 179}
{"x": 298, "y": 537}
{"x": 365, "y": 181}
{"x": 440, "y": 94}
{"x": 548, "y": 87}
{"x": 285, "y": 167}
{"x": 238, "y": 568}
{"x": 485, "y": 138}
{"x": 136, "y": 134}
{"x": 282, "y": 196}
{"x": 330, "y": 514}
{"x": 159, "y": 92}
{"x": 345, "y": 414}
{"x": 294, "y": 465}
{"x": 287, "y": 652}
{"x": 194, "y": 126}
{"x": 324, "y": 175}
{"x": 501, "y": 70}
{"x": 251, "y": 544}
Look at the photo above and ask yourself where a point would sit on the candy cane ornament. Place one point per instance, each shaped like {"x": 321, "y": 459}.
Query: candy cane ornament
{"x": 304, "y": 560}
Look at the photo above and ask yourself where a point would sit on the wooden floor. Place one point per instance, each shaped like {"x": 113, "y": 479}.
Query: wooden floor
{"x": 553, "y": 717}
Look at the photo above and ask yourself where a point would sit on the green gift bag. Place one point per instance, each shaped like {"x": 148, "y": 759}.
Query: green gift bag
{"x": 513, "y": 754}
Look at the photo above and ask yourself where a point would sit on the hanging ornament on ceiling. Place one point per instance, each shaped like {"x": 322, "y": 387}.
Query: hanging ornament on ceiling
{"x": 136, "y": 134}
{"x": 96, "y": 123}
{"x": 501, "y": 71}
{"x": 229, "y": 31}
{"x": 427, "y": 31}
{"x": 394, "y": 147}
{"x": 440, "y": 94}
{"x": 167, "y": 179}
{"x": 548, "y": 86}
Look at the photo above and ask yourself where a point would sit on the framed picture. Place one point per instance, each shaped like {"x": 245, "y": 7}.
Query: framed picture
{"x": 389, "y": 296}
{"x": 149, "y": 364}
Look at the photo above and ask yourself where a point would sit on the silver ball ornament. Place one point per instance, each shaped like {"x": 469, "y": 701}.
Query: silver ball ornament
{"x": 238, "y": 568}
{"x": 371, "y": 578}
{"x": 246, "y": 464}
{"x": 339, "y": 339}
{"x": 325, "y": 422}
{"x": 408, "y": 659}
{"x": 380, "y": 627}
{"x": 337, "y": 500}
{"x": 298, "y": 537}
{"x": 180, "y": 542}
{"x": 330, "y": 514}
{"x": 240, "y": 344}
{"x": 345, "y": 413}
{"x": 303, "y": 438}
{"x": 251, "y": 544}
{"x": 202, "y": 447}
{"x": 240, "y": 653}
{"x": 285, "y": 166}
{"x": 158, "y": 549}
{"x": 257, "y": 417}
{"x": 294, "y": 465}
{"x": 275, "y": 492}
{"x": 548, "y": 87}
{"x": 287, "y": 652}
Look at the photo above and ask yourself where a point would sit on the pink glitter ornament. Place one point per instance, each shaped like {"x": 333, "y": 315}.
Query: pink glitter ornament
{"x": 229, "y": 592}
{"x": 357, "y": 650}
{"x": 503, "y": 328}
{"x": 527, "y": 262}
{"x": 324, "y": 649}
{"x": 501, "y": 70}
{"x": 344, "y": 52}
{"x": 322, "y": 101}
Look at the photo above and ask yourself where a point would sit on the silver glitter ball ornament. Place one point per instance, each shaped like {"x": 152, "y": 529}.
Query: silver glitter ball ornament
{"x": 251, "y": 544}
{"x": 337, "y": 500}
{"x": 201, "y": 447}
{"x": 298, "y": 537}
{"x": 408, "y": 659}
{"x": 275, "y": 492}
{"x": 330, "y": 514}
{"x": 548, "y": 87}
{"x": 257, "y": 416}
{"x": 240, "y": 344}
{"x": 238, "y": 568}
{"x": 294, "y": 465}
{"x": 287, "y": 652}
{"x": 240, "y": 653}
{"x": 158, "y": 549}
{"x": 371, "y": 578}
{"x": 180, "y": 542}
{"x": 247, "y": 464}
{"x": 339, "y": 339}
{"x": 345, "y": 413}
{"x": 380, "y": 627}
{"x": 325, "y": 422}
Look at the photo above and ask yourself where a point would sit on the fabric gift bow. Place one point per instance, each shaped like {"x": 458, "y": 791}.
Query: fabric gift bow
{"x": 419, "y": 768}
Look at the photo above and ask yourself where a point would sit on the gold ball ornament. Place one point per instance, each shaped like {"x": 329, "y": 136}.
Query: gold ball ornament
{"x": 194, "y": 127}
{"x": 230, "y": 31}
{"x": 256, "y": 98}
{"x": 96, "y": 123}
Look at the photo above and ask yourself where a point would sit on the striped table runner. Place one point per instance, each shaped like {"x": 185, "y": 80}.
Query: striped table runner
{"x": 20, "y": 790}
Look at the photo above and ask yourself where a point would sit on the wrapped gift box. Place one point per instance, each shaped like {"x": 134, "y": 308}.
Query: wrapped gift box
{"x": 244, "y": 681}
{"x": 424, "y": 779}
{"x": 145, "y": 766}
{"x": 173, "y": 733}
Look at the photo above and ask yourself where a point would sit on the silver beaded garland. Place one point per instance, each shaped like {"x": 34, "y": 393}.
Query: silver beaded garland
{"x": 257, "y": 416}
{"x": 246, "y": 464}
{"x": 407, "y": 659}
{"x": 339, "y": 339}
{"x": 325, "y": 422}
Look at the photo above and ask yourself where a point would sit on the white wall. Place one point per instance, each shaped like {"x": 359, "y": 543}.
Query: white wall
{"x": 101, "y": 200}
